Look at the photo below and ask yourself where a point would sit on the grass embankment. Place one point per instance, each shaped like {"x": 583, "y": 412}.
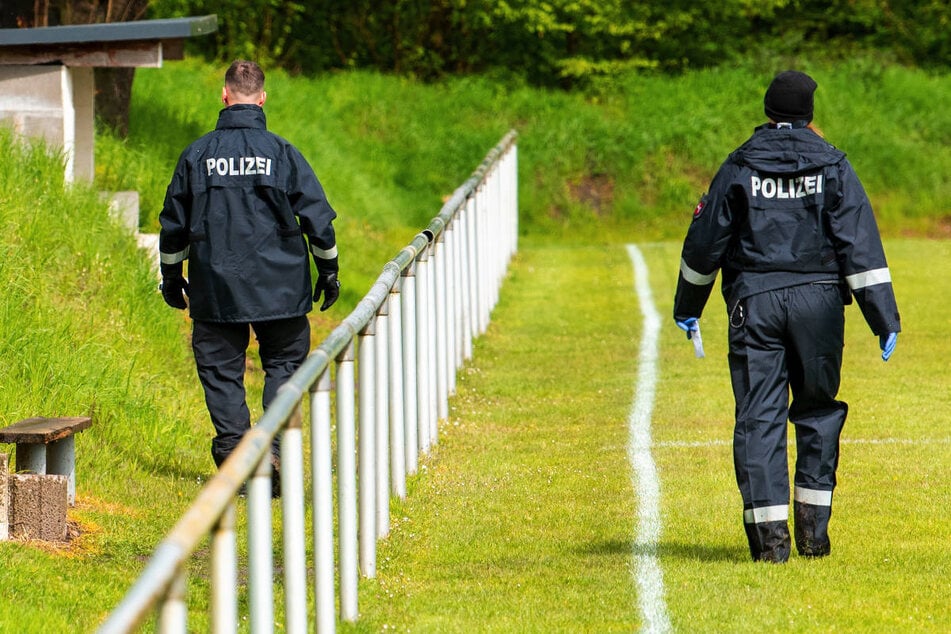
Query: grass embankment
{"x": 81, "y": 333}
{"x": 85, "y": 331}
{"x": 631, "y": 156}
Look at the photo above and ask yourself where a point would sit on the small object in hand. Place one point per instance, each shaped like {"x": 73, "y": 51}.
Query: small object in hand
{"x": 697, "y": 341}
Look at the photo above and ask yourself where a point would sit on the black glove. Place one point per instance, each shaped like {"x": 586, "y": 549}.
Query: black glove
{"x": 327, "y": 284}
{"x": 174, "y": 286}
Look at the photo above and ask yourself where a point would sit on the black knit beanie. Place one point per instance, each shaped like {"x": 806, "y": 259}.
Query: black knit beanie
{"x": 789, "y": 97}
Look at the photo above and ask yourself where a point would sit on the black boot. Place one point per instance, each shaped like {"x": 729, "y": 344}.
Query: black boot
{"x": 812, "y": 529}
{"x": 769, "y": 541}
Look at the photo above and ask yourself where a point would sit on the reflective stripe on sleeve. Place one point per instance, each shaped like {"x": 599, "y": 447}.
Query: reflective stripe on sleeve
{"x": 868, "y": 278}
{"x": 174, "y": 258}
{"x": 777, "y": 513}
{"x": 324, "y": 254}
{"x": 813, "y": 497}
{"x": 697, "y": 279}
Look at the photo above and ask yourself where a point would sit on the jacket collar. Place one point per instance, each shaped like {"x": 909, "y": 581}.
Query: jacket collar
{"x": 242, "y": 115}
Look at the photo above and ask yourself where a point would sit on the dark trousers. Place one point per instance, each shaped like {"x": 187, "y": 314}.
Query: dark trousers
{"x": 780, "y": 341}
{"x": 220, "y": 350}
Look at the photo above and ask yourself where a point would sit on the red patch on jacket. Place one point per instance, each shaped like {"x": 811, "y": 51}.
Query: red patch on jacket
{"x": 698, "y": 209}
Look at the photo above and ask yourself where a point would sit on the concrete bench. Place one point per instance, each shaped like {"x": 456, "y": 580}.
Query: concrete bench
{"x": 47, "y": 446}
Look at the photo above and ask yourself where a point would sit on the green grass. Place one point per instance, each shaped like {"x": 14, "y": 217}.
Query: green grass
{"x": 631, "y": 157}
{"x": 525, "y": 520}
{"x": 81, "y": 334}
{"x": 888, "y": 558}
{"x": 522, "y": 522}
{"x": 523, "y": 517}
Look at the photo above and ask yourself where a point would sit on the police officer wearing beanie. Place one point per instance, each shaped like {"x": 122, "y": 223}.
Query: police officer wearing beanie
{"x": 242, "y": 208}
{"x": 788, "y": 223}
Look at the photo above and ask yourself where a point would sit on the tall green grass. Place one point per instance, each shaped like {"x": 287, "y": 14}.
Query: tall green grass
{"x": 83, "y": 332}
{"x": 629, "y": 156}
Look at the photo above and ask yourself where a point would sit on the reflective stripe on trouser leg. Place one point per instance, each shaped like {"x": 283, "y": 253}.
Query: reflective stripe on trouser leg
{"x": 812, "y": 510}
{"x": 812, "y": 496}
{"x": 778, "y": 513}
{"x": 768, "y": 539}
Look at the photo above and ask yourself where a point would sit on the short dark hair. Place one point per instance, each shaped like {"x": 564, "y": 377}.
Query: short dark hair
{"x": 244, "y": 77}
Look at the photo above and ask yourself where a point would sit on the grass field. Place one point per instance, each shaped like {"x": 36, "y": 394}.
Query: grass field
{"x": 525, "y": 517}
{"x": 526, "y": 520}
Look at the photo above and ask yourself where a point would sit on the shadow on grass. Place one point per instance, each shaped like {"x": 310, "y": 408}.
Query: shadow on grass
{"x": 664, "y": 550}
{"x": 702, "y": 552}
{"x": 198, "y": 472}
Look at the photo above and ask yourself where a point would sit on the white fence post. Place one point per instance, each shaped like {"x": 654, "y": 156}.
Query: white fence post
{"x": 431, "y": 396}
{"x": 472, "y": 273}
{"x": 442, "y": 347}
{"x": 422, "y": 350}
{"x": 397, "y": 427}
{"x": 292, "y": 504}
{"x": 381, "y": 389}
{"x": 173, "y": 615}
{"x": 449, "y": 277}
{"x": 320, "y": 452}
{"x": 347, "y": 484}
{"x": 260, "y": 557}
{"x": 366, "y": 487}
{"x": 224, "y": 574}
{"x": 410, "y": 397}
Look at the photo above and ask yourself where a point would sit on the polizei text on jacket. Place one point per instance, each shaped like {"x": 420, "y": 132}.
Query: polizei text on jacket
{"x": 793, "y": 187}
{"x": 238, "y": 166}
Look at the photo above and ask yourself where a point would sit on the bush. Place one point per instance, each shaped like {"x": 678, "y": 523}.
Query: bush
{"x": 564, "y": 43}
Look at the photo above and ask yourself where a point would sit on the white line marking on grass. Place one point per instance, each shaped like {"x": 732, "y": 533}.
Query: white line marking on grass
{"x": 650, "y": 578}
{"x": 895, "y": 441}
{"x": 844, "y": 441}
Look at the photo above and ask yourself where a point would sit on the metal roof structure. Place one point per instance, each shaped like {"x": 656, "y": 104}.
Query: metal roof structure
{"x": 113, "y": 44}
{"x": 47, "y": 83}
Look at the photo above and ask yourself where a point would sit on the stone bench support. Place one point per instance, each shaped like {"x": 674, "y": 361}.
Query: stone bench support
{"x": 47, "y": 446}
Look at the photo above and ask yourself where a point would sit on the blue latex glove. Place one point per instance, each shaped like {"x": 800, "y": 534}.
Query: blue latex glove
{"x": 887, "y": 344}
{"x": 688, "y": 325}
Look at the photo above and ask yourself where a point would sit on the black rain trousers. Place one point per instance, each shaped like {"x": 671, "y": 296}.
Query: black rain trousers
{"x": 220, "y": 350}
{"x": 789, "y": 339}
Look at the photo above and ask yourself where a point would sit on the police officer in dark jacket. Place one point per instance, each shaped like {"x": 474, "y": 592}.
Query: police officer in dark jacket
{"x": 790, "y": 226}
{"x": 242, "y": 208}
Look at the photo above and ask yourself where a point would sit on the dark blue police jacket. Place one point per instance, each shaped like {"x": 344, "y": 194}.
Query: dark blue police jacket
{"x": 786, "y": 208}
{"x": 238, "y": 208}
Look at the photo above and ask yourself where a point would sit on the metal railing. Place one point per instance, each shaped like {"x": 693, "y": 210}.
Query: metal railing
{"x": 404, "y": 341}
